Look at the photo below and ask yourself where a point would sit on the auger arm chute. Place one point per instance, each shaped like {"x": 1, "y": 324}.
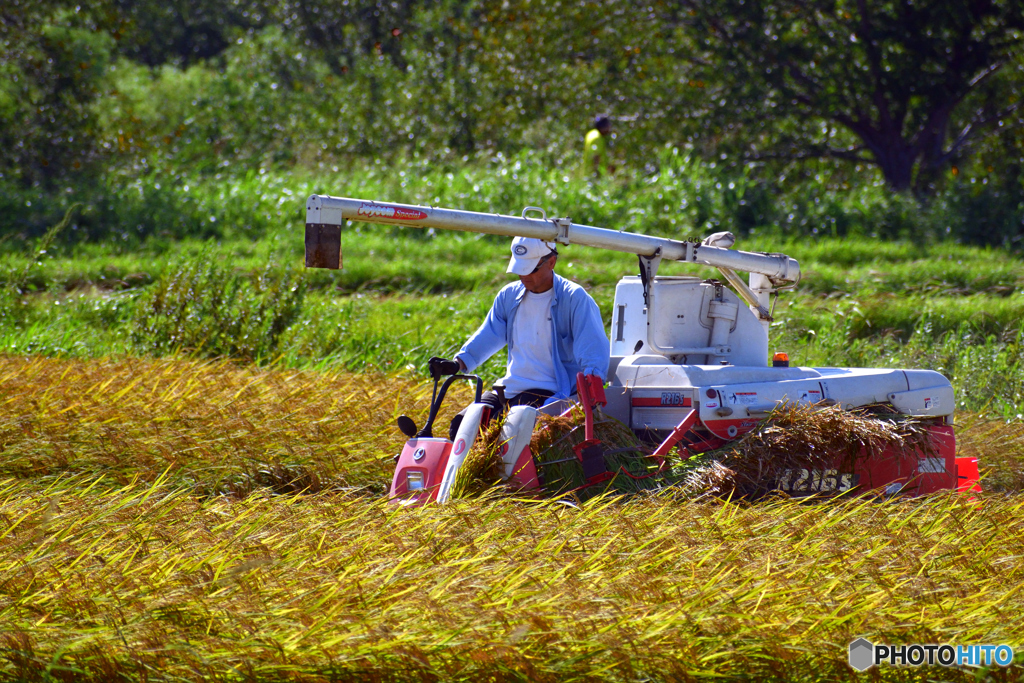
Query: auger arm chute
{"x": 325, "y": 215}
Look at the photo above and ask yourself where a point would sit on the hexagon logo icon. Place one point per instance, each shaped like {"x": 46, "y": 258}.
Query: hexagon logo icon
{"x": 861, "y": 654}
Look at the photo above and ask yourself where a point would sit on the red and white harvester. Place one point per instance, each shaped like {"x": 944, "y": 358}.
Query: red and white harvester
{"x": 689, "y": 363}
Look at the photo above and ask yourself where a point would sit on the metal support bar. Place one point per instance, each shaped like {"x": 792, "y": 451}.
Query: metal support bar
{"x": 745, "y": 293}
{"x": 648, "y": 271}
{"x": 677, "y": 434}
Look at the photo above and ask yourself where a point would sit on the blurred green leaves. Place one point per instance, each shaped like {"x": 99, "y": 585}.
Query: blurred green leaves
{"x": 53, "y": 56}
{"x": 907, "y": 86}
{"x": 206, "y": 309}
{"x": 123, "y": 104}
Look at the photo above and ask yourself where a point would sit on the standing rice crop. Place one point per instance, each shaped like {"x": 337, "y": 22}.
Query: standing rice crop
{"x": 146, "y": 581}
{"x": 213, "y": 425}
{"x": 120, "y": 562}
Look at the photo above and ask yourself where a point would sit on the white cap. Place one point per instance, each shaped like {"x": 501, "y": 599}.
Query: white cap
{"x": 527, "y": 253}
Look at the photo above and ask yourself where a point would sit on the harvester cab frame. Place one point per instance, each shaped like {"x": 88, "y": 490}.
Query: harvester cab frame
{"x": 689, "y": 366}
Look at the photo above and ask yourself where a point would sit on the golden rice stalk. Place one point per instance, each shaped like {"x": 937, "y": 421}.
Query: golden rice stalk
{"x": 708, "y": 477}
{"x": 215, "y": 426}
{"x": 482, "y": 468}
{"x": 999, "y": 446}
{"x": 145, "y": 581}
{"x": 798, "y": 436}
{"x": 552, "y": 445}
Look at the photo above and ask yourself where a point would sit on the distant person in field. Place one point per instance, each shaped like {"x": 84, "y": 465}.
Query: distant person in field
{"x": 551, "y": 326}
{"x": 595, "y": 148}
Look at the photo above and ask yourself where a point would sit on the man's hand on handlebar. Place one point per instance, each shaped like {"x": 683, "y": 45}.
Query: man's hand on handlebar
{"x": 440, "y": 367}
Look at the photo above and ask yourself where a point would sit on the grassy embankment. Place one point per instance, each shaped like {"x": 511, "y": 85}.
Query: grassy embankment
{"x": 117, "y": 556}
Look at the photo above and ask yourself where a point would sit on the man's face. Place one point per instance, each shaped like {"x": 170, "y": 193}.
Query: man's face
{"x": 541, "y": 279}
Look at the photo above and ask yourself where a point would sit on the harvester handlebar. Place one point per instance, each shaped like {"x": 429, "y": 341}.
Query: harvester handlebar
{"x": 439, "y": 367}
{"x": 438, "y": 399}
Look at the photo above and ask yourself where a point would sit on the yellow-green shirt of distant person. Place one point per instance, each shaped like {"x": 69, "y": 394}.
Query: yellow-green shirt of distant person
{"x": 595, "y": 154}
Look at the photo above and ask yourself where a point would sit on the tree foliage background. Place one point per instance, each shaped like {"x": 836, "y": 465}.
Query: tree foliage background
{"x": 922, "y": 96}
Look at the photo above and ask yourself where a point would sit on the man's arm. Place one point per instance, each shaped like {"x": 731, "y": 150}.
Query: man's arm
{"x": 488, "y": 339}
{"x": 589, "y": 342}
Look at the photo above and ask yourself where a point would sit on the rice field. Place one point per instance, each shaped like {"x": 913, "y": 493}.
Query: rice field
{"x": 214, "y": 426}
{"x": 183, "y": 520}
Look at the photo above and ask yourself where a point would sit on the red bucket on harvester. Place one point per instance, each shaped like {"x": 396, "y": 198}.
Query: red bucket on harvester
{"x": 967, "y": 475}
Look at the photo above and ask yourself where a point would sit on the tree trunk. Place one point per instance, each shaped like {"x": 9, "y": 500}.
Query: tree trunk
{"x": 894, "y": 156}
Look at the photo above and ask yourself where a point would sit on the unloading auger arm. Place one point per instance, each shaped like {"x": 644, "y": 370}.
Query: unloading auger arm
{"x": 325, "y": 215}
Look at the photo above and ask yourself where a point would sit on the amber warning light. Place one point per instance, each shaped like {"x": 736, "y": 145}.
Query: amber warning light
{"x": 780, "y": 360}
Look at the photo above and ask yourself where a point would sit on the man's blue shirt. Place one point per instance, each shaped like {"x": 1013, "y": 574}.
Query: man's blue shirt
{"x": 579, "y": 342}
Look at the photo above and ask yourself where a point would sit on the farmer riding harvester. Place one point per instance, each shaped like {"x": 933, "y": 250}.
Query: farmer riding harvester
{"x": 689, "y": 364}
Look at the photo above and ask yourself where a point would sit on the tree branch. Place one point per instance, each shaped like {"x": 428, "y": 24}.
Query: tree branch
{"x": 972, "y": 127}
{"x": 984, "y": 75}
{"x": 848, "y": 154}
{"x": 855, "y": 124}
{"x": 881, "y": 103}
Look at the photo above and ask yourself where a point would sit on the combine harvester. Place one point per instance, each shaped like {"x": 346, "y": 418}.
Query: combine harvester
{"x": 689, "y": 363}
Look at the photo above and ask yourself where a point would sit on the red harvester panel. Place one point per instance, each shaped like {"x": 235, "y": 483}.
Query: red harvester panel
{"x": 420, "y": 469}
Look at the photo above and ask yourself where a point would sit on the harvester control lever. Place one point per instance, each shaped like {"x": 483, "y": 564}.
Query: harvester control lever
{"x": 590, "y": 452}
